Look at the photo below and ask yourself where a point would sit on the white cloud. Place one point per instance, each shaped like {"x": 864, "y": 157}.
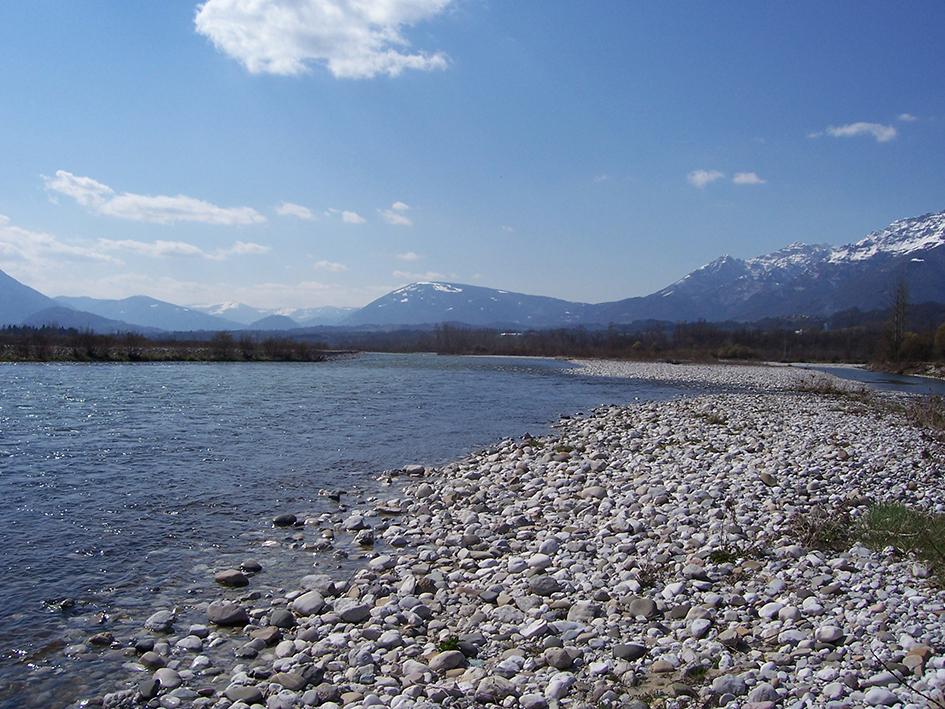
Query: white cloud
{"x": 179, "y": 249}
{"x": 507, "y": 228}
{"x": 395, "y": 215}
{"x": 287, "y": 209}
{"x": 38, "y": 249}
{"x": 352, "y": 218}
{"x": 409, "y": 256}
{"x": 882, "y": 133}
{"x": 747, "y": 178}
{"x": 144, "y": 208}
{"x": 700, "y": 178}
{"x": 331, "y": 266}
{"x": 602, "y": 178}
{"x": 354, "y": 38}
{"x": 428, "y": 276}
{"x": 907, "y": 118}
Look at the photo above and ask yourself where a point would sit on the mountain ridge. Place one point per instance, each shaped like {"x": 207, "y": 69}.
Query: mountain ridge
{"x": 814, "y": 280}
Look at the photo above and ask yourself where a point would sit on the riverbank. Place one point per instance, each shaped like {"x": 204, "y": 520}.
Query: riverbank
{"x": 659, "y": 553}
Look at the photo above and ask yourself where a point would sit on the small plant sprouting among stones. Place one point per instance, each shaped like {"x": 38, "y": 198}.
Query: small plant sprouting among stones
{"x": 910, "y": 531}
{"x": 927, "y": 412}
{"x": 726, "y": 555}
{"x": 563, "y": 448}
{"x": 823, "y": 529}
{"x": 451, "y": 643}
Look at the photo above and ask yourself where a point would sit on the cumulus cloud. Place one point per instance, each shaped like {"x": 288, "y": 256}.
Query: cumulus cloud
{"x": 179, "y": 249}
{"x": 506, "y": 227}
{"x": 39, "y": 249}
{"x": 331, "y": 266}
{"x": 355, "y": 39}
{"x": 409, "y": 256}
{"x": 144, "y": 208}
{"x": 907, "y": 118}
{"x": 352, "y": 218}
{"x": 287, "y": 209}
{"x": 882, "y": 133}
{"x": 395, "y": 215}
{"x": 747, "y": 178}
{"x": 700, "y": 178}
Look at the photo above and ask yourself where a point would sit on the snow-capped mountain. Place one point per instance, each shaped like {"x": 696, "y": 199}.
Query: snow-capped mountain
{"x": 142, "y": 311}
{"x": 429, "y": 303}
{"x": 300, "y": 317}
{"x": 816, "y": 280}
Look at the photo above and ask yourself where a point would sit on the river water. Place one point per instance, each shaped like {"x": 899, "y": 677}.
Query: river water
{"x": 125, "y": 487}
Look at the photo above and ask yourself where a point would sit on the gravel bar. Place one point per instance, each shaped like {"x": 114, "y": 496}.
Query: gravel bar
{"x": 643, "y": 555}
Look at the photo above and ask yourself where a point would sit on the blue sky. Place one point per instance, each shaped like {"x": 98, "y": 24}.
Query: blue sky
{"x": 299, "y": 153}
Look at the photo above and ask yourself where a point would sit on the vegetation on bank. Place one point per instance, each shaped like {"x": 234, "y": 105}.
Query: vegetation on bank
{"x": 52, "y": 344}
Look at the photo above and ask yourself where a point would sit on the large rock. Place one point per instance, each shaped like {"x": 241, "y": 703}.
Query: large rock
{"x": 232, "y": 578}
{"x": 493, "y": 690}
{"x": 308, "y": 603}
{"x": 229, "y": 614}
{"x": 160, "y": 622}
{"x": 448, "y": 660}
{"x": 544, "y": 585}
{"x": 351, "y": 610}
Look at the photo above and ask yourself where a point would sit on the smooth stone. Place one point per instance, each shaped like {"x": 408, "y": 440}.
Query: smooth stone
{"x": 494, "y": 690}
{"x": 167, "y": 678}
{"x": 544, "y": 585}
{"x": 644, "y": 607}
{"x": 232, "y": 578}
{"x": 729, "y": 684}
{"x": 629, "y": 651}
{"x": 227, "y": 614}
{"x": 322, "y": 583}
{"x": 558, "y": 657}
{"x": 350, "y": 610}
{"x": 250, "y": 566}
{"x": 533, "y": 701}
{"x": 662, "y": 666}
{"x": 160, "y": 622}
{"x": 308, "y": 603}
{"x": 559, "y": 685}
{"x": 269, "y": 635}
{"x": 290, "y": 680}
{"x": 284, "y": 520}
{"x": 764, "y": 692}
{"x": 281, "y": 618}
{"x": 248, "y": 694}
{"x": 152, "y": 660}
{"x": 880, "y": 696}
{"x": 448, "y": 660}
{"x": 829, "y": 634}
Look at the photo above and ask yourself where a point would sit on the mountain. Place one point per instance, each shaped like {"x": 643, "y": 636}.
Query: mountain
{"x": 814, "y": 280}
{"x": 143, "y": 311}
{"x": 18, "y": 301}
{"x": 273, "y": 322}
{"x": 62, "y": 316}
{"x": 421, "y": 303}
{"x": 303, "y": 317}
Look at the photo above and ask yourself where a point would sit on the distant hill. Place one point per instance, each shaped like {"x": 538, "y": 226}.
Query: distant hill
{"x": 273, "y": 322}
{"x": 800, "y": 279}
{"x": 471, "y": 305}
{"x": 18, "y": 301}
{"x": 143, "y": 311}
{"x": 61, "y": 316}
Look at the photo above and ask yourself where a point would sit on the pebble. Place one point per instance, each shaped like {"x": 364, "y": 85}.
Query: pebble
{"x": 637, "y": 551}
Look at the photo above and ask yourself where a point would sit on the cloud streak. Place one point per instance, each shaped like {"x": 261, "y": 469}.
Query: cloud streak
{"x": 701, "y": 178}
{"x": 354, "y": 39}
{"x": 39, "y": 249}
{"x": 747, "y": 178}
{"x": 179, "y": 249}
{"x": 287, "y": 209}
{"x": 882, "y": 134}
{"x": 161, "y": 209}
{"x": 395, "y": 215}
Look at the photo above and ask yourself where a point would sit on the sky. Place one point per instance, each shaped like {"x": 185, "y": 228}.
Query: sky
{"x": 306, "y": 153}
